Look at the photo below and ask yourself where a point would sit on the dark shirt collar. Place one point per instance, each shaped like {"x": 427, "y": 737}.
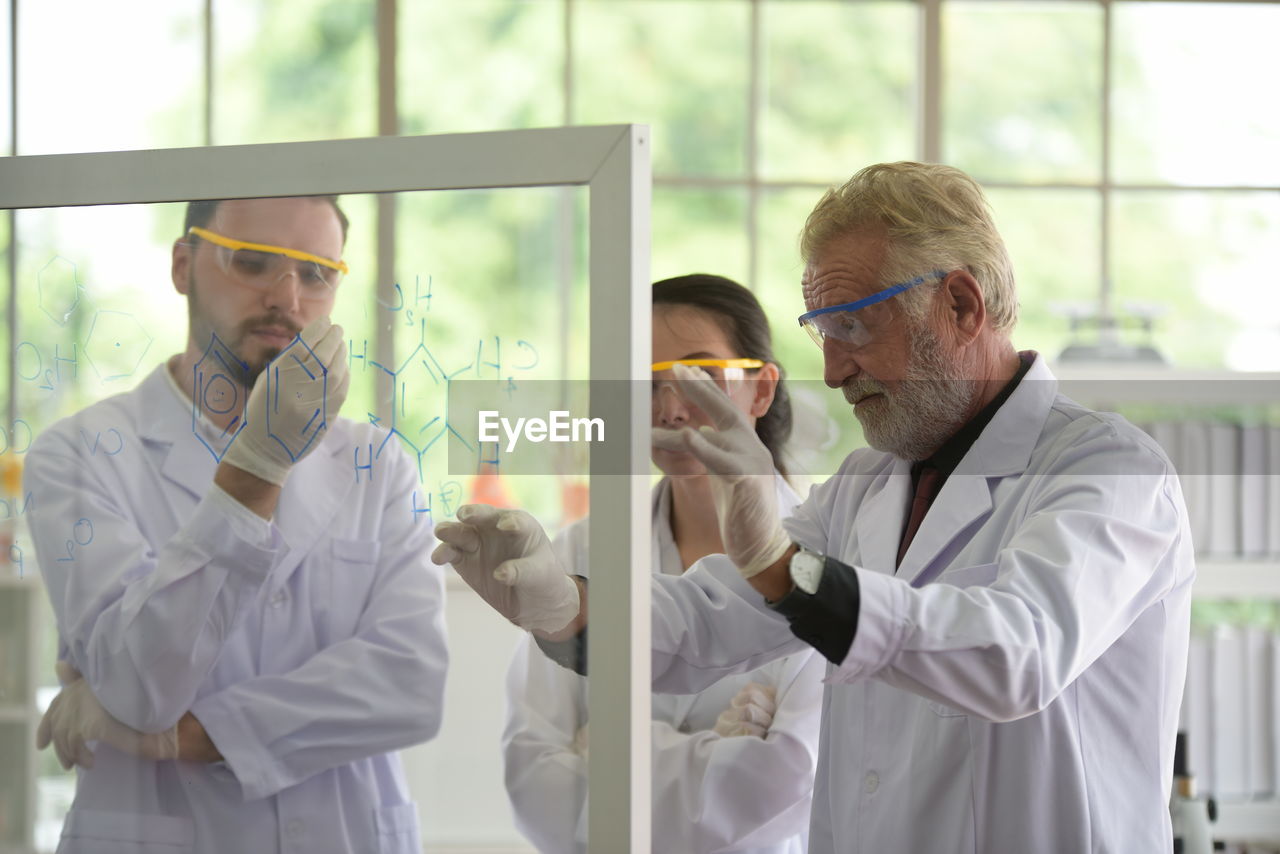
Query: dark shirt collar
{"x": 947, "y": 457}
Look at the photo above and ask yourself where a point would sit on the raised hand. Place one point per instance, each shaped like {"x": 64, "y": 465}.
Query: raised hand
{"x": 505, "y": 556}
{"x": 741, "y": 471}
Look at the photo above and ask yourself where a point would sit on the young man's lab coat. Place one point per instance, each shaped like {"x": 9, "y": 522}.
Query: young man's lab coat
{"x": 1014, "y": 686}
{"x": 310, "y": 649}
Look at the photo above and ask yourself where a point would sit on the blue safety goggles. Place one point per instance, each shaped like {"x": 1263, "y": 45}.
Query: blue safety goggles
{"x": 842, "y": 323}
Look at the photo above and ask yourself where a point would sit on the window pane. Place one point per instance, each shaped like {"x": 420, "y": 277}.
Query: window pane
{"x": 840, "y": 87}
{"x": 1034, "y": 113}
{"x": 699, "y": 231}
{"x": 86, "y": 83}
{"x": 678, "y": 65}
{"x": 480, "y": 272}
{"x": 1052, "y": 238}
{"x": 782, "y": 213}
{"x": 294, "y": 71}
{"x": 512, "y": 51}
{"x": 1191, "y": 102}
{"x": 1208, "y": 259}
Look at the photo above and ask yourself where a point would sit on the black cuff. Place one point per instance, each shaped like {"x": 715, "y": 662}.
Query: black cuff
{"x": 571, "y": 653}
{"x": 826, "y": 620}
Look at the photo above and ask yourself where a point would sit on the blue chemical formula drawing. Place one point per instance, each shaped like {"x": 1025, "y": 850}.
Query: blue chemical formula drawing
{"x": 111, "y": 346}
{"x": 419, "y": 398}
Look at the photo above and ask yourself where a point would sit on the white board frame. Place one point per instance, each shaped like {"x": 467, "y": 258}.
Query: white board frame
{"x": 613, "y": 162}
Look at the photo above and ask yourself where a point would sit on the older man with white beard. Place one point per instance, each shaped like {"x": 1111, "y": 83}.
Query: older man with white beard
{"x": 1001, "y": 583}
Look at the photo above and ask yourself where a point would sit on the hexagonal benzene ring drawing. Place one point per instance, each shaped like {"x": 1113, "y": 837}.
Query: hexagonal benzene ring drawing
{"x": 117, "y": 338}
{"x": 59, "y": 288}
{"x": 216, "y": 392}
{"x": 422, "y": 383}
{"x": 417, "y": 377}
{"x": 314, "y": 388}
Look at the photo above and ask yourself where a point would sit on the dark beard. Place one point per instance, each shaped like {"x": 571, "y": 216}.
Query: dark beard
{"x": 253, "y": 370}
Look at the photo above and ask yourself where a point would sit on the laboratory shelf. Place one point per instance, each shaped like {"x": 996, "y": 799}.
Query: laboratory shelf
{"x": 1255, "y": 822}
{"x": 19, "y": 645}
{"x": 1237, "y": 579}
{"x": 1097, "y": 385}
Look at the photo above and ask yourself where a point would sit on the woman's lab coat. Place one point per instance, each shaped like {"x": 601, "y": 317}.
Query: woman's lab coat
{"x": 310, "y": 649}
{"x": 1015, "y": 685}
{"x": 741, "y": 794}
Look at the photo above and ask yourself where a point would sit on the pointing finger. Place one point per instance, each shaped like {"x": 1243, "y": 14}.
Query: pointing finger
{"x": 445, "y": 553}
{"x": 462, "y": 537}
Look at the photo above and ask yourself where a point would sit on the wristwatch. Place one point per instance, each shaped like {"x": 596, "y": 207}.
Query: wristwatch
{"x": 806, "y": 569}
{"x": 829, "y": 622}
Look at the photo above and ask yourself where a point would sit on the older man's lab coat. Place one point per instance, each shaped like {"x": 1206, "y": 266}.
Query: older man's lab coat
{"x": 1014, "y": 686}
{"x": 310, "y": 649}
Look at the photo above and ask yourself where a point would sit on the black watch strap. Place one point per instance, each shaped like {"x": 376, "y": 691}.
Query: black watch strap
{"x": 828, "y": 619}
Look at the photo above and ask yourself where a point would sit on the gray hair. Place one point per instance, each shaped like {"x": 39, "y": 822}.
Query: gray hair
{"x": 936, "y": 218}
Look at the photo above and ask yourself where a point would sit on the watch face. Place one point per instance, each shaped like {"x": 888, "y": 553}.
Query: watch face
{"x": 806, "y": 571}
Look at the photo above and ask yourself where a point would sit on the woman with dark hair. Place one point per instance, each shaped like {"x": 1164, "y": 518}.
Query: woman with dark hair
{"x": 733, "y": 766}
{"x": 736, "y": 311}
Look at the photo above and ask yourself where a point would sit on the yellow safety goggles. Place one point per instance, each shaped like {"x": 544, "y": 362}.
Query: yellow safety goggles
{"x": 722, "y": 371}
{"x": 708, "y": 363}
{"x": 261, "y": 264}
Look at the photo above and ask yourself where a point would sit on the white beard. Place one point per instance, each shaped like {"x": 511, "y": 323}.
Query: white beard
{"x": 928, "y": 407}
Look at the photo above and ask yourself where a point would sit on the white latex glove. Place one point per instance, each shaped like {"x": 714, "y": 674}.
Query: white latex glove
{"x": 741, "y": 471}
{"x": 749, "y": 713}
{"x": 292, "y": 400}
{"x": 75, "y": 717}
{"x": 505, "y": 556}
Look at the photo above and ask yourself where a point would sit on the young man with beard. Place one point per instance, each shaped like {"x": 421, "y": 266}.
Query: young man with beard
{"x": 1001, "y": 583}
{"x": 250, "y": 633}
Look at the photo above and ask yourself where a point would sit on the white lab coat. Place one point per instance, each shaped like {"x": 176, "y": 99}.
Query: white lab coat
{"x": 310, "y": 649}
{"x": 741, "y": 794}
{"x": 1014, "y": 686}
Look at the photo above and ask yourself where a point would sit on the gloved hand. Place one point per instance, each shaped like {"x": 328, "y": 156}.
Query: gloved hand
{"x": 749, "y": 713}
{"x": 741, "y": 471}
{"x": 75, "y": 717}
{"x": 582, "y": 741}
{"x": 292, "y": 400}
{"x": 505, "y": 556}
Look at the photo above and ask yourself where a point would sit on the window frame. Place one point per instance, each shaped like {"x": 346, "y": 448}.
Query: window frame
{"x": 613, "y": 163}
